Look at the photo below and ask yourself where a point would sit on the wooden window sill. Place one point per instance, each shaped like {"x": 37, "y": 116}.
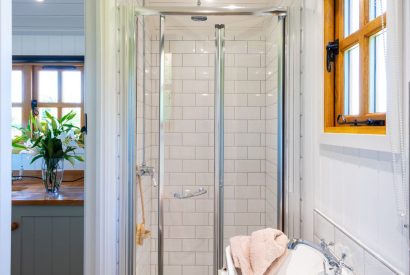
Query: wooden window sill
{"x": 364, "y": 130}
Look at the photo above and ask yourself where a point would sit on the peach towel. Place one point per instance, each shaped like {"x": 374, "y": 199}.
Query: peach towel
{"x": 262, "y": 253}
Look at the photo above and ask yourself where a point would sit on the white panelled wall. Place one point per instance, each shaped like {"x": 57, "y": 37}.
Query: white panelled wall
{"x": 51, "y": 44}
{"x": 352, "y": 186}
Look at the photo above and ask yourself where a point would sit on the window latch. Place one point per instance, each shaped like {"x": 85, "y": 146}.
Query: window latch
{"x": 332, "y": 49}
{"x": 341, "y": 120}
{"x": 84, "y": 128}
{"x": 34, "y": 107}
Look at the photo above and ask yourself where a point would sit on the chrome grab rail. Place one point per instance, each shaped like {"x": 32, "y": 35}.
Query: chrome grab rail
{"x": 188, "y": 194}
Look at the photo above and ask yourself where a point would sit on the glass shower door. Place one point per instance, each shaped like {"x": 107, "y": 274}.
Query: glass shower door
{"x": 188, "y": 101}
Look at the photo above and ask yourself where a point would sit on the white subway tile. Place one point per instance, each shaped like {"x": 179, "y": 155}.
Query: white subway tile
{"x": 247, "y": 192}
{"x": 204, "y": 99}
{"x": 236, "y": 46}
{"x": 204, "y": 126}
{"x": 182, "y": 73}
{"x": 195, "y": 60}
{"x": 247, "y": 219}
{"x": 256, "y": 47}
{"x": 246, "y": 139}
{"x": 182, "y": 152}
{"x": 195, "y": 86}
{"x": 195, "y": 218}
{"x": 182, "y": 46}
{"x": 181, "y": 258}
{"x": 247, "y": 60}
{"x": 205, "y": 46}
{"x": 256, "y": 206}
{"x": 247, "y": 112}
{"x": 247, "y": 166}
{"x": 195, "y": 166}
{"x": 234, "y": 73}
{"x": 256, "y": 74}
{"x": 247, "y": 87}
{"x": 236, "y": 100}
{"x": 204, "y": 73}
{"x": 194, "y": 139}
{"x": 195, "y": 113}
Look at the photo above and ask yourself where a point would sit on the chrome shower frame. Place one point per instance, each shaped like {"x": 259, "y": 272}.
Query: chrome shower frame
{"x": 162, "y": 12}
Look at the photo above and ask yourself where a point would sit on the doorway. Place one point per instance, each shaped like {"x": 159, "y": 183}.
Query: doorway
{"x": 210, "y": 123}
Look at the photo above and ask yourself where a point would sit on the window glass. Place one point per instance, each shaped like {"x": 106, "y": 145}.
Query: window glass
{"x": 376, "y": 8}
{"x": 378, "y": 86}
{"x": 351, "y": 16}
{"x": 351, "y": 81}
{"x": 17, "y": 86}
{"x": 42, "y": 114}
{"x": 48, "y": 86}
{"x": 71, "y": 86}
{"x": 16, "y": 120}
{"x": 77, "y": 119}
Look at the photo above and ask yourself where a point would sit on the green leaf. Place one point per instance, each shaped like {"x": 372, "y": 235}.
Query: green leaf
{"x": 35, "y": 158}
{"x": 70, "y": 159}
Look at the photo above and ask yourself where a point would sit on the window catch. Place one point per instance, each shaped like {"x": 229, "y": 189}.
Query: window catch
{"x": 34, "y": 107}
{"x": 84, "y": 128}
{"x": 332, "y": 49}
{"x": 341, "y": 120}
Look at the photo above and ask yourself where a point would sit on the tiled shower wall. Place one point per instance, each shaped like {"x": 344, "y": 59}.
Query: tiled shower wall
{"x": 271, "y": 121}
{"x": 249, "y": 136}
{"x": 144, "y": 141}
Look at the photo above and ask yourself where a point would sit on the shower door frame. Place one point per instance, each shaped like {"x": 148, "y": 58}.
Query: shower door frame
{"x": 219, "y": 134}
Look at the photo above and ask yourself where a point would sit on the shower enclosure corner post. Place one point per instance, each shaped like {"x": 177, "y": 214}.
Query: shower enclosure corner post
{"x": 161, "y": 155}
{"x": 219, "y": 148}
{"x": 281, "y": 124}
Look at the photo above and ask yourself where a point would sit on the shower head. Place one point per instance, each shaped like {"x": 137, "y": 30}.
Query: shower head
{"x": 199, "y": 18}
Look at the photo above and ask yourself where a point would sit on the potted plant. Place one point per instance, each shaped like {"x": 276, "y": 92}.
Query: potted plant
{"x": 52, "y": 140}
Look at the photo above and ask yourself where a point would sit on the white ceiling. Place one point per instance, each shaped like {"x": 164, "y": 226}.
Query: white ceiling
{"x": 219, "y": 3}
{"x": 66, "y": 17}
{"x": 48, "y": 17}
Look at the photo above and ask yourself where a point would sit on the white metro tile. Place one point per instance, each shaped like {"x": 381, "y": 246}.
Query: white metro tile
{"x": 374, "y": 267}
{"x": 354, "y": 253}
{"x": 181, "y": 258}
{"x": 236, "y": 46}
{"x": 182, "y": 46}
{"x": 195, "y": 60}
{"x": 256, "y": 73}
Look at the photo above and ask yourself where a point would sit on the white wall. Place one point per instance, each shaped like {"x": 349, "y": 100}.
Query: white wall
{"x": 352, "y": 186}
{"x": 5, "y": 148}
{"x": 52, "y": 44}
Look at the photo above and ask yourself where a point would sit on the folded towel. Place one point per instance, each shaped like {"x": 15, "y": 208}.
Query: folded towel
{"x": 262, "y": 253}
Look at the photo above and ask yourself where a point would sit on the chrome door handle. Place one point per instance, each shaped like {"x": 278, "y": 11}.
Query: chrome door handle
{"x": 189, "y": 194}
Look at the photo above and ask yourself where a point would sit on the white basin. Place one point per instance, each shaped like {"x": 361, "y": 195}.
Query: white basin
{"x": 303, "y": 260}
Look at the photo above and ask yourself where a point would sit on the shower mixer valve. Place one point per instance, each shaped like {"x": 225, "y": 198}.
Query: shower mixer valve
{"x": 145, "y": 170}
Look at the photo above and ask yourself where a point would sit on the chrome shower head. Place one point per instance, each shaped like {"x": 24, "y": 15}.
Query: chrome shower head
{"x": 199, "y": 18}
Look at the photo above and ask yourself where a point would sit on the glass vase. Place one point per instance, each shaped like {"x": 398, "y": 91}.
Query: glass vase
{"x": 52, "y": 172}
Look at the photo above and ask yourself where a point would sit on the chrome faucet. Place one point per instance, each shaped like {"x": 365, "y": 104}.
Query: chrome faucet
{"x": 333, "y": 261}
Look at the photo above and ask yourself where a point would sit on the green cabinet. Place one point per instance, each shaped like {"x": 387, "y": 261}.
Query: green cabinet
{"x": 47, "y": 240}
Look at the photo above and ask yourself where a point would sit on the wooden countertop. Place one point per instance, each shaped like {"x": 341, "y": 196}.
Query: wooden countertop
{"x": 32, "y": 192}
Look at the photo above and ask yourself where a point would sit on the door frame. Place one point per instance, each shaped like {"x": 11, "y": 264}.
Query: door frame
{"x": 5, "y": 144}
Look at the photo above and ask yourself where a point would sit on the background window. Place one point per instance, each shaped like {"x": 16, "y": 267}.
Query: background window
{"x": 57, "y": 89}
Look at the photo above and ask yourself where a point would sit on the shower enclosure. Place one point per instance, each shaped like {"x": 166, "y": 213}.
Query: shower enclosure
{"x": 208, "y": 140}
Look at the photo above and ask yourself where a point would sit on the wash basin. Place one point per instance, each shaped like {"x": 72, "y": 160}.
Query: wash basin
{"x": 305, "y": 260}
{"x": 302, "y": 260}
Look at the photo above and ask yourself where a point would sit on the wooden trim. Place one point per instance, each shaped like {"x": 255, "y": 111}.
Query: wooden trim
{"x": 329, "y": 77}
{"x": 369, "y": 130}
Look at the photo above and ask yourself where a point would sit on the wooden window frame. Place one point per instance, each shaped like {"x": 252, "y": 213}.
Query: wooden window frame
{"x": 30, "y": 89}
{"x": 334, "y": 80}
